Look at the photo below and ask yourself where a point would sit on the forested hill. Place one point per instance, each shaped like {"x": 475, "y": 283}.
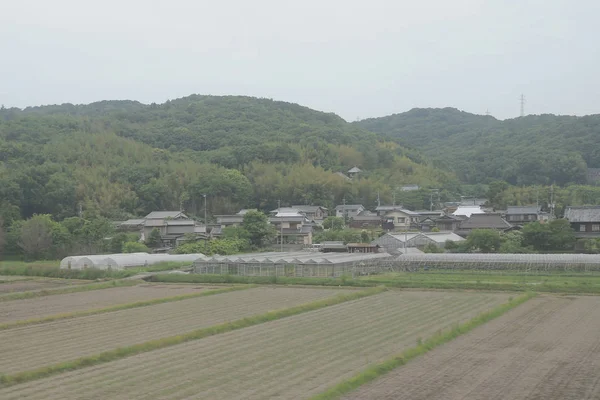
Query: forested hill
{"x": 523, "y": 151}
{"x": 123, "y": 158}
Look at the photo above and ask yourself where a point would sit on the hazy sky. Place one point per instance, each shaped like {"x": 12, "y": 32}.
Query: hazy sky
{"x": 355, "y": 58}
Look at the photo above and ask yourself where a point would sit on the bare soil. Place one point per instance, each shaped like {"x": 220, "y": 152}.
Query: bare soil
{"x": 70, "y": 302}
{"x": 546, "y": 349}
{"x": 36, "y": 285}
{"x": 29, "y": 347}
{"x": 290, "y": 358}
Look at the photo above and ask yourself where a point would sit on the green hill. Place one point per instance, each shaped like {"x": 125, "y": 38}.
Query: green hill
{"x": 124, "y": 158}
{"x": 540, "y": 149}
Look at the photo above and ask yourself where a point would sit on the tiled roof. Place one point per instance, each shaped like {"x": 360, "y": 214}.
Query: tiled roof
{"x": 348, "y": 207}
{"x": 485, "y": 221}
{"x": 523, "y": 209}
{"x": 310, "y": 209}
{"x": 165, "y": 214}
{"x": 583, "y": 214}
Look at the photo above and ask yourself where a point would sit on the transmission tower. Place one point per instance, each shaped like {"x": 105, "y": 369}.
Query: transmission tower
{"x": 522, "y": 98}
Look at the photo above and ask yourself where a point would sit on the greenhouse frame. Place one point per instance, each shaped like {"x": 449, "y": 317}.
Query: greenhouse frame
{"x": 529, "y": 263}
{"x": 125, "y": 260}
{"x": 295, "y": 264}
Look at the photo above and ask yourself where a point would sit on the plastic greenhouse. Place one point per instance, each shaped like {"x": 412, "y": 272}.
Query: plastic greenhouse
{"x": 297, "y": 264}
{"x": 514, "y": 262}
{"x": 122, "y": 261}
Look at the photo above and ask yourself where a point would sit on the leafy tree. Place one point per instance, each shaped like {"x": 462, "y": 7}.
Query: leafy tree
{"x": 154, "y": 239}
{"x": 562, "y": 236}
{"x": 225, "y": 246}
{"x": 432, "y": 248}
{"x": 2, "y": 236}
{"x": 537, "y": 235}
{"x": 334, "y": 223}
{"x": 364, "y": 236}
{"x": 134, "y": 247}
{"x": 115, "y": 244}
{"x": 36, "y": 237}
{"x": 484, "y": 240}
{"x": 260, "y": 231}
{"x": 592, "y": 246}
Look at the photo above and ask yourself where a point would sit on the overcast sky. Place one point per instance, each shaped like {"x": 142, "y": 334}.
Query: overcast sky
{"x": 358, "y": 59}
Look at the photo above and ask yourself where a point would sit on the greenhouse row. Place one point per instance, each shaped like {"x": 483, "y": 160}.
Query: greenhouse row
{"x": 517, "y": 262}
{"x": 297, "y": 264}
{"x": 122, "y": 261}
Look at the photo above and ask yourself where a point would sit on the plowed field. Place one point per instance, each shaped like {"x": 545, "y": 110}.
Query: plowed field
{"x": 37, "y": 284}
{"x": 289, "y": 358}
{"x": 546, "y": 349}
{"x": 64, "y": 303}
{"x": 29, "y": 347}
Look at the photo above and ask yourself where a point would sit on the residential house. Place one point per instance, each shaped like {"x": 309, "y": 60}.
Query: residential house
{"x": 354, "y": 171}
{"x": 467, "y": 211}
{"x": 585, "y": 221}
{"x": 293, "y": 227}
{"x": 334, "y": 247}
{"x": 366, "y": 220}
{"x": 518, "y": 215}
{"x": 172, "y": 226}
{"x": 348, "y": 211}
{"x": 483, "y": 221}
{"x": 398, "y": 218}
{"x": 427, "y": 219}
{"x": 313, "y": 213}
{"x": 448, "y": 222}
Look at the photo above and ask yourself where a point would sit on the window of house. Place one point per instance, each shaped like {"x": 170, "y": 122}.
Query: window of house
{"x": 581, "y": 228}
{"x": 401, "y": 220}
{"x": 596, "y": 228}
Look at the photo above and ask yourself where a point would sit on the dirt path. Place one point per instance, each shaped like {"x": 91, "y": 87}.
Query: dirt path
{"x": 65, "y": 303}
{"x": 291, "y": 358}
{"x": 548, "y": 348}
{"x": 29, "y": 347}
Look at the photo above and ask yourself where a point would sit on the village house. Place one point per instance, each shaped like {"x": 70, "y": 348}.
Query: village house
{"x": 172, "y": 226}
{"x": 518, "y": 215}
{"x": 398, "y": 218}
{"x": 293, "y": 227}
{"x": 313, "y": 213}
{"x": 348, "y": 211}
{"x": 366, "y": 220}
{"x": 448, "y": 222}
{"x": 354, "y": 171}
{"x": 585, "y": 221}
{"x": 483, "y": 221}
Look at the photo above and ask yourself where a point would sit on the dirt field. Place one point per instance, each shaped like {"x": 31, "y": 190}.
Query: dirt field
{"x": 290, "y": 358}
{"x": 64, "y": 303}
{"x": 36, "y": 284}
{"x": 29, "y": 347}
{"x": 546, "y": 349}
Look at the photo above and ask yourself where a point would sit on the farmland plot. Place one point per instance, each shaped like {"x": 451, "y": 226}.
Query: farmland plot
{"x": 546, "y": 349}
{"x": 29, "y": 347}
{"x": 36, "y": 284}
{"x": 80, "y": 301}
{"x": 290, "y": 358}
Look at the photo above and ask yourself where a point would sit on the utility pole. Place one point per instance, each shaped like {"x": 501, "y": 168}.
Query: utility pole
{"x": 552, "y": 201}
{"x": 378, "y": 199}
{"x": 522, "y": 98}
{"x": 344, "y": 209}
{"x": 205, "y": 220}
{"x": 280, "y": 227}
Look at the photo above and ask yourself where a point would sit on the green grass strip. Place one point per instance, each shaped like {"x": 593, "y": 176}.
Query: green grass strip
{"x": 71, "y": 289}
{"x": 375, "y": 371}
{"x": 76, "y": 314}
{"x": 122, "y": 352}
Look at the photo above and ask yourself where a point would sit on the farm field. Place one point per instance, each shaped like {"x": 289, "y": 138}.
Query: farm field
{"x": 547, "y": 348}
{"x": 293, "y": 357}
{"x": 25, "y": 284}
{"x": 12, "y": 311}
{"x": 29, "y": 347}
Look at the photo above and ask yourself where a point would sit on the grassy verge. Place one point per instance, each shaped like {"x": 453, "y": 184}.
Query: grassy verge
{"x": 112, "y": 355}
{"x": 576, "y": 284}
{"x": 70, "y": 289}
{"x": 120, "y": 307}
{"x": 375, "y": 371}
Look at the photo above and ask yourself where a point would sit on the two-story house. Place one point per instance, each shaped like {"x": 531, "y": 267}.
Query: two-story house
{"x": 398, "y": 218}
{"x": 483, "y": 221}
{"x": 348, "y": 211}
{"x": 366, "y": 220}
{"x": 293, "y": 227}
{"x": 518, "y": 215}
{"x": 585, "y": 220}
{"x": 448, "y": 223}
{"x": 172, "y": 226}
{"x": 313, "y": 213}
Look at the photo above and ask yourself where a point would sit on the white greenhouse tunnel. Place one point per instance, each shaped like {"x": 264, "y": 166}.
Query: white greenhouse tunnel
{"x": 125, "y": 260}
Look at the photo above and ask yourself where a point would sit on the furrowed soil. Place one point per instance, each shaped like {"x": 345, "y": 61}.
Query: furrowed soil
{"x": 546, "y": 349}
{"x": 37, "y": 284}
{"x": 290, "y": 358}
{"x": 71, "y": 302}
{"x": 29, "y": 347}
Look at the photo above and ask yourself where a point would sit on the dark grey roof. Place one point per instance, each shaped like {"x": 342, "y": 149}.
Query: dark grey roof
{"x": 309, "y": 209}
{"x": 523, "y": 209}
{"x": 165, "y": 214}
{"x": 183, "y": 222}
{"x": 349, "y": 207}
{"x": 485, "y": 221}
{"x": 367, "y": 218}
{"x": 132, "y": 222}
{"x": 583, "y": 213}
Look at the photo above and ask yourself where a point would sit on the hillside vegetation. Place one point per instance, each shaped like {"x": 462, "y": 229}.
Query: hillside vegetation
{"x": 122, "y": 158}
{"x": 542, "y": 149}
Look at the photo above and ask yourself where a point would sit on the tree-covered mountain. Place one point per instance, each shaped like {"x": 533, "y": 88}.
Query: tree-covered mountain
{"x": 541, "y": 149}
{"x": 123, "y": 158}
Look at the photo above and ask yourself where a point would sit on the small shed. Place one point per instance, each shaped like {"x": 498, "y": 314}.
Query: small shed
{"x": 363, "y": 248}
{"x": 334, "y": 247}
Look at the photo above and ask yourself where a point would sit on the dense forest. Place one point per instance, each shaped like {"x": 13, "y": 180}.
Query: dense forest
{"x": 118, "y": 159}
{"x": 542, "y": 149}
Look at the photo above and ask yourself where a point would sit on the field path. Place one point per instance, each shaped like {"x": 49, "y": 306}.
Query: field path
{"x": 546, "y": 349}
{"x": 291, "y": 358}
{"x": 29, "y": 347}
{"x": 39, "y": 307}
